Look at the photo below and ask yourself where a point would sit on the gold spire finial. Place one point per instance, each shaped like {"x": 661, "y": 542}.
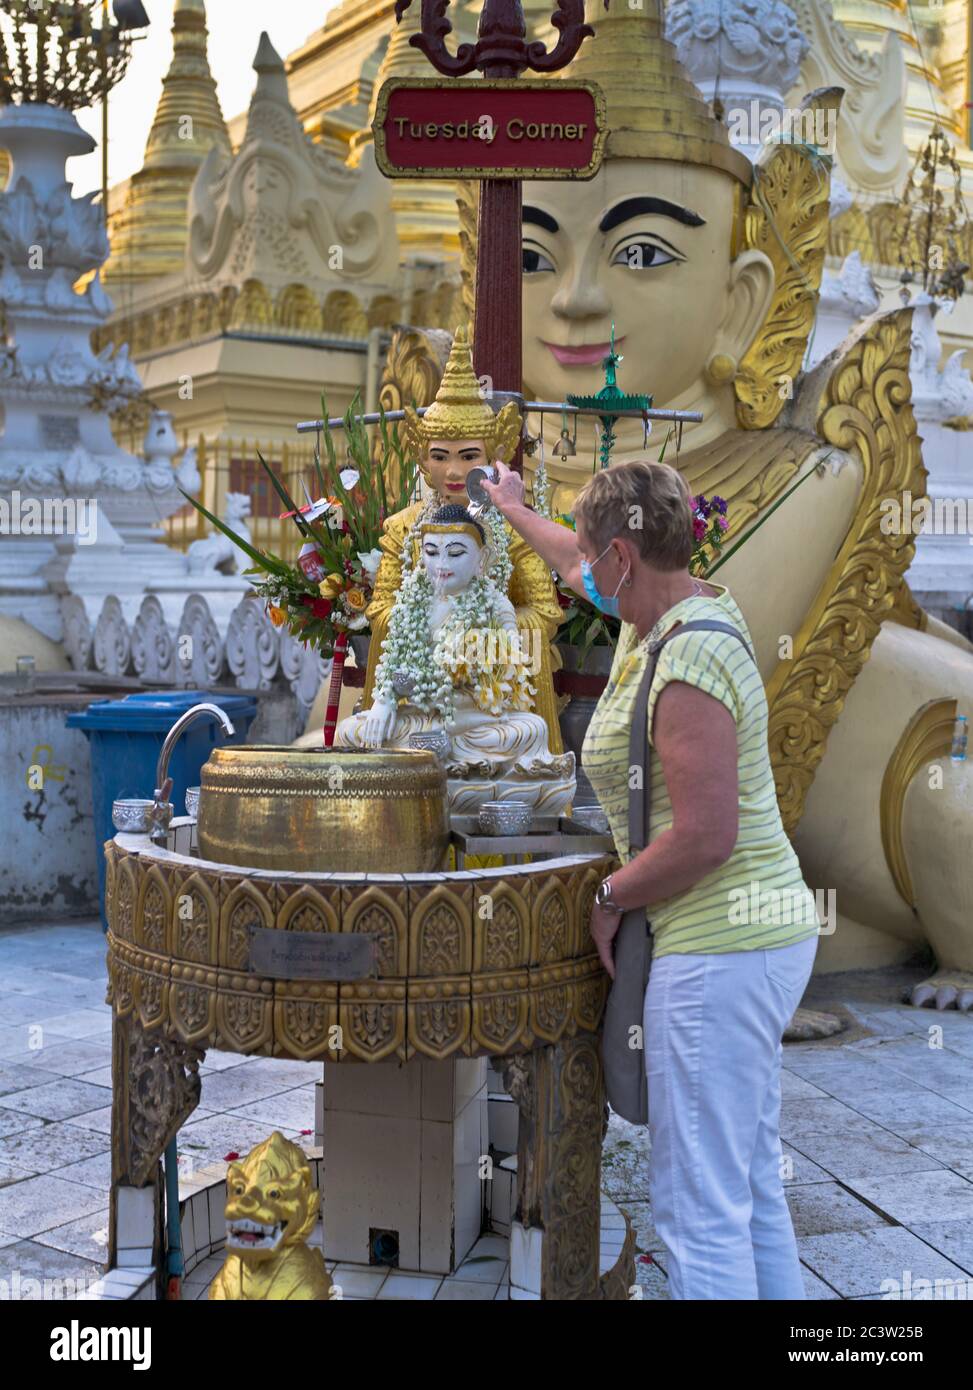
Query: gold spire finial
{"x": 460, "y": 410}
{"x": 424, "y": 209}
{"x": 654, "y": 109}
{"x": 148, "y": 233}
{"x": 188, "y": 119}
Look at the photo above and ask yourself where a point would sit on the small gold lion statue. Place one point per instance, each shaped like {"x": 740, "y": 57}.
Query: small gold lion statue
{"x": 271, "y": 1208}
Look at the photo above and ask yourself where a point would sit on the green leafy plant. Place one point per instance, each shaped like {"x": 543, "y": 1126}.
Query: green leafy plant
{"x": 345, "y": 538}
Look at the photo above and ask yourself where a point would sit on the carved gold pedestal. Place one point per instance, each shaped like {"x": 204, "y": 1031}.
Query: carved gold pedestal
{"x": 494, "y": 962}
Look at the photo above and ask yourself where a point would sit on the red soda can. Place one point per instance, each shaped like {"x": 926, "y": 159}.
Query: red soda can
{"x": 310, "y": 564}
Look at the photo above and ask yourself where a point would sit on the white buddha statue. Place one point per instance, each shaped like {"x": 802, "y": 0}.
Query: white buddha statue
{"x": 454, "y": 663}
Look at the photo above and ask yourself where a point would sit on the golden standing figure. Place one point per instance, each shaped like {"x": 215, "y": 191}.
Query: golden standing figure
{"x": 459, "y": 432}
{"x": 271, "y": 1209}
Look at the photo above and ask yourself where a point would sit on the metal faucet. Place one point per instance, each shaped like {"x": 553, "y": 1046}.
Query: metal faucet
{"x": 160, "y": 812}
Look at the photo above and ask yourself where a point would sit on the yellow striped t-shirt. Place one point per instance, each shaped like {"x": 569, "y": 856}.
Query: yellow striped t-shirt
{"x": 757, "y": 898}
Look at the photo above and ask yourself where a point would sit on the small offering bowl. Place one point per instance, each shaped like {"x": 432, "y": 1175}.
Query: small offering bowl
{"x": 130, "y": 816}
{"x": 505, "y": 818}
{"x": 436, "y": 741}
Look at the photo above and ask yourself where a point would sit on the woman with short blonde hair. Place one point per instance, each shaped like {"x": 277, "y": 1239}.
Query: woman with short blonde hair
{"x": 724, "y": 981}
{"x": 656, "y": 506}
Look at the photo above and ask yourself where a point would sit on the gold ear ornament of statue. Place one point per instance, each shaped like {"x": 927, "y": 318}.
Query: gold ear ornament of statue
{"x": 721, "y": 368}
{"x": 506, "y": 433}
{"x": 412, "y": 438}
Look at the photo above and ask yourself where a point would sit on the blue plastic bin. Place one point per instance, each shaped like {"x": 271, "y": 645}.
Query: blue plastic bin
{"x": 126, "y": 738}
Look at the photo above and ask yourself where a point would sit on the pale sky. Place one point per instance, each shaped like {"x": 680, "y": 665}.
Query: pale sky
{"x": 234, "y": 30}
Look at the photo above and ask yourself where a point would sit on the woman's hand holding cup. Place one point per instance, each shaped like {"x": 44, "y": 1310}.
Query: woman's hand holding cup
{"x": 508, "y": 491}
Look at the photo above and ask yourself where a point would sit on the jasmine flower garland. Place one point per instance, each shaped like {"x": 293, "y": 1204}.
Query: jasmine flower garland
{"x": 491, "y": 663}
{"x": 470, "y": 649}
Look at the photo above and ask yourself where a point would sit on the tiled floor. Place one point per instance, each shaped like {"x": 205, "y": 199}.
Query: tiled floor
{"x": 483, "y": 1276}
{"x": 877, "y": 1125}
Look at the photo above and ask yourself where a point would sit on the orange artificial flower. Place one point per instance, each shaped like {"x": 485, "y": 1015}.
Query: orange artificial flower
{"x": 355, "y": 599}
{"x": 278, "y": 616}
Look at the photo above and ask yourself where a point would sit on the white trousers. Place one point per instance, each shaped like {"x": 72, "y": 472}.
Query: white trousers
{"x": 713, "y": 1027}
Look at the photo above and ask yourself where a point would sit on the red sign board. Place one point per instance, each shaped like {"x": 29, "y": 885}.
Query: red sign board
{"x": 435, "y": 128}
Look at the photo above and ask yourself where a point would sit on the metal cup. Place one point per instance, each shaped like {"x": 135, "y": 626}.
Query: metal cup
{"x": 433, "y": 741}
{"x": 474, "y": 487}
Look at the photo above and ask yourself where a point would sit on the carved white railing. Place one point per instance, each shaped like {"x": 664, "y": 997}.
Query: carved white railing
{"x": 193, "y": 653}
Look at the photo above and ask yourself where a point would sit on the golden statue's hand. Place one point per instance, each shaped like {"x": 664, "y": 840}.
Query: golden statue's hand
{"x": 508, "y": 491}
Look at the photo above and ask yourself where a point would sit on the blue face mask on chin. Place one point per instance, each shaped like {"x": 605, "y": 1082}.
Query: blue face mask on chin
{"x": 605, "y": 603}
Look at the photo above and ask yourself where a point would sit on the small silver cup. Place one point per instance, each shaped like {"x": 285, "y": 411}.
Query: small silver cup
{"x": 479, "y": 501}
{"x": 505, "y": 818}
{"x": 435, "y": 741}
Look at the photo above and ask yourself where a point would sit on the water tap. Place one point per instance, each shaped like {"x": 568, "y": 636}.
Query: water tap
{"x": 160, "y": 812}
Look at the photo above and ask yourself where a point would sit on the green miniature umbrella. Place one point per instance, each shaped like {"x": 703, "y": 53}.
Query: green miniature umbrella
{"x": 610, "y": 402}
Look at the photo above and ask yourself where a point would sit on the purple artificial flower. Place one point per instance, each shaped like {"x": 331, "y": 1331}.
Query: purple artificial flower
{"x": 722, "y": 523}
{"x": 703, "y": 507}
{"x": 719, "y": 505}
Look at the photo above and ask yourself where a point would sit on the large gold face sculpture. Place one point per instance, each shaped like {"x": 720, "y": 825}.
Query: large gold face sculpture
{"x": 648, "y": 245}
{"x": 663, "y": 242}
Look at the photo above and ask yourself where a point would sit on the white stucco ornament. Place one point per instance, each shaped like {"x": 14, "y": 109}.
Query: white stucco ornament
{"x": 936, "y": 395}
{"x": 283, "y": 209}
{"x": 57, "y": 394}
{"x": 853, "y": 287}
{"x": 752, "y": 45}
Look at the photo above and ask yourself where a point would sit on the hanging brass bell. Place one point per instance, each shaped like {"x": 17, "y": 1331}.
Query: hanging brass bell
{"x": 565, "y": 447}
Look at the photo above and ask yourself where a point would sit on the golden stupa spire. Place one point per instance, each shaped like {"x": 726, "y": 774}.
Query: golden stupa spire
{"x": 424, "y": 209}
{"x": 399, "y": 60}
{"x": 148, "y": 233}
{"x": 654, "y": 109}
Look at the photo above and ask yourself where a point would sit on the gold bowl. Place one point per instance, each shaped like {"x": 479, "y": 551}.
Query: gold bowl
{"x": 323, "y": 810}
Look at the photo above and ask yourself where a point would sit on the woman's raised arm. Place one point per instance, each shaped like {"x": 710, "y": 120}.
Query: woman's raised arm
{"x": 555, "y": 544}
